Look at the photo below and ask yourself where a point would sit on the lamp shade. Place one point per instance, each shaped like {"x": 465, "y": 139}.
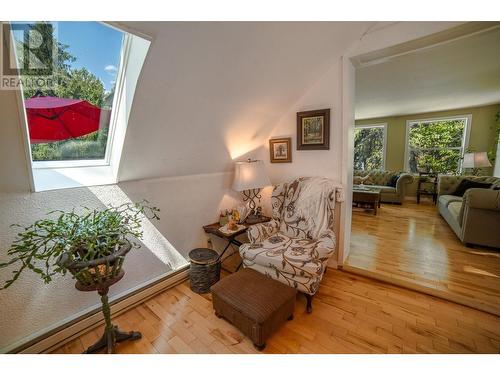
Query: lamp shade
{"x": 476, "y": 160}
{"x": 250, "y": 175}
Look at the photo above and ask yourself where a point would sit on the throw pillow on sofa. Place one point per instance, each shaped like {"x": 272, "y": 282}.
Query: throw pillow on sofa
{"x": 393, "y": 181}
{"x": 356, "y": 180}
{"x": 367, "y": 180}
{"x": 466, "y": 184}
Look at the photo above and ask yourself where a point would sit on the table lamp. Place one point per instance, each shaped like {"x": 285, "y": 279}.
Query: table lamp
{"x": 249, "y": 178}
{"x": 475, "y": 161}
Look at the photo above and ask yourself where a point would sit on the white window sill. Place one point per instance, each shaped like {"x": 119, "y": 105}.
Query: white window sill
{"x": 65, "y": 178}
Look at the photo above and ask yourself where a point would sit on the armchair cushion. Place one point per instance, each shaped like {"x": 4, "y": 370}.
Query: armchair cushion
{"x": 298, "y": 262}
{"x": 296, "y": 256}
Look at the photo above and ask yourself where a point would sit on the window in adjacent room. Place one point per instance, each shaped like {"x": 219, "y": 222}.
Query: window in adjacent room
{"x": 369, "y": 146}
{"x": 436, "y": 145}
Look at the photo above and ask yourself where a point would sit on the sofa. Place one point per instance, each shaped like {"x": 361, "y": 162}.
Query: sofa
{"x": 475, "y": 217}
{"x": 380, "y": 179}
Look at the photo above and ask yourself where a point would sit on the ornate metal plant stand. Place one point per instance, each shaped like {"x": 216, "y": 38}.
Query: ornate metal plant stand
{"x": 98, "y": 275}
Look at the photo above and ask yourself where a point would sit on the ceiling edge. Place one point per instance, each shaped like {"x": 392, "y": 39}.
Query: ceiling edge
{"x": 386, "y": 54}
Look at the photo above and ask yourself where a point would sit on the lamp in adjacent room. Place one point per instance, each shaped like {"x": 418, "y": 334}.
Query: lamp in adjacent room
{"x": 475, "y": 161}
{"x": 249, "y": 178}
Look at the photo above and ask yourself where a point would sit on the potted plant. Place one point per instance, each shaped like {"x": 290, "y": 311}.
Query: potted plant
{"x": 91, "y": 245}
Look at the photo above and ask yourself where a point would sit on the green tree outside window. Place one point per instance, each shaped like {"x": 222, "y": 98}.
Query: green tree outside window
{"x": 368, "y": 148}
{"x": 72, "y": 83}
{"x": 436, "y": 146}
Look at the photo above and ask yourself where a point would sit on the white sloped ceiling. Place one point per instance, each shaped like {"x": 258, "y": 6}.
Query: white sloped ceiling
{"x": 211, "y": 92}
{"x": 458, "y": 74}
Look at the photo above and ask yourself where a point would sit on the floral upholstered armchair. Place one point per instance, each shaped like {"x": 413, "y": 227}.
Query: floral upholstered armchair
{"x": 296, "y": 244}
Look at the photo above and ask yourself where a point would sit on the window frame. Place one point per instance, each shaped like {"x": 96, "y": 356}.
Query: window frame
{"x": 106, "y": 161}
{"x": 382, "y": 125}
{"x": 64, "y": 174}
{"x": 465, "y": 136}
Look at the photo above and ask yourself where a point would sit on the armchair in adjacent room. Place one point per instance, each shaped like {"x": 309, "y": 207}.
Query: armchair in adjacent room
{"x": 295, "y": 246}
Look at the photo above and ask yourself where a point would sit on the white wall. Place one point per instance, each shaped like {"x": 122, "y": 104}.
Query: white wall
{"x": 325, "y": 93}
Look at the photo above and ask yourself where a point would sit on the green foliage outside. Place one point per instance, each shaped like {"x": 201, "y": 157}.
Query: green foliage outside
{"x": 368, "y": 148}
{"x": 492, "y": 152}
{"x": 435, "y": 146}
{"x": 72, "y": 84}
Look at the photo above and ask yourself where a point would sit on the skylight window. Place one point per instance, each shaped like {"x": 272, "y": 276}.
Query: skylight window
{"x": 76, "y": 102}
{"x": 69, "y": 118}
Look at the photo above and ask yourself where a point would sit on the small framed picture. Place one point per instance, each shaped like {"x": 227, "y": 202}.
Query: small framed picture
{"x": 313, "y": 130}
{"x": 280, "y": 150}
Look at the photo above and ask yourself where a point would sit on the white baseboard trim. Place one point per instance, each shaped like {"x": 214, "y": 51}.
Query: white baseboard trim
{"x": 122, "y": 303}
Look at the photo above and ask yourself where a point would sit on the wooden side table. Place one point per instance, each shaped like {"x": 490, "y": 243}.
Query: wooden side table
{"x": 230, "y": 238}
{"x": 427, "y": 185}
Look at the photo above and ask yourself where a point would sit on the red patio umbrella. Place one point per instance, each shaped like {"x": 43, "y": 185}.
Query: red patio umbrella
{"x": 55, "y": 119}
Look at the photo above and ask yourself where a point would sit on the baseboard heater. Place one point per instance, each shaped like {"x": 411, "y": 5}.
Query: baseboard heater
{"x": 76, "y": 327}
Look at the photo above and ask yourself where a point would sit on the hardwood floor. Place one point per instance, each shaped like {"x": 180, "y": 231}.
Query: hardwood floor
{"x": 352, "y": 314}
{"x": 413, "y": 246}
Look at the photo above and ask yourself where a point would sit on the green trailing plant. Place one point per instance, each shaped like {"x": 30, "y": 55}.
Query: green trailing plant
{"x": 71, "y": 236}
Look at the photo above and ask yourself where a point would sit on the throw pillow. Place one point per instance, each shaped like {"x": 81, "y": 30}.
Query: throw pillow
{"x": 393, "y": 181}
{"x": 466, "y": 184}
{"x": 367, "y": 180}
{"x": 356, "y": 180}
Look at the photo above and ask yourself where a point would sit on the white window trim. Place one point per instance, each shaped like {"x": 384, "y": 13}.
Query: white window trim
{"x": 465, "y": 137}
{"x": 382, "y": 125}
{"x": 124, "y": 55}
{"x": 62, "y": 174}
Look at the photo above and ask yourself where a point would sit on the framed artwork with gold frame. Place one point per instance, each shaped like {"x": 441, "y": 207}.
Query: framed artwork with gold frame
{"x": 313, "y": 130}
{"x": 280, "y": 150}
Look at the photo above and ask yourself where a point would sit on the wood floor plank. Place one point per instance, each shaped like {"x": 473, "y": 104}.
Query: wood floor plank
{"x": 352, "y": 314}
{"x": 412, "y": 246}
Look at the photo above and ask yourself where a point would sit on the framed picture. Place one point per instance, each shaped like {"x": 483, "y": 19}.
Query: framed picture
{"x": 280, "y": 150}
{"x": 313, "y": 130}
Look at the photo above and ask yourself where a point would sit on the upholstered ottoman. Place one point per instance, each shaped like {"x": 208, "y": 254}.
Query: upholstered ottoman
{"x": 254, "y": 303}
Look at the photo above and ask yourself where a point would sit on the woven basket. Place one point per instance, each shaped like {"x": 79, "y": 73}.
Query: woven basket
{"x": 204, "y": 270}
{"x": 98, "y": 273}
